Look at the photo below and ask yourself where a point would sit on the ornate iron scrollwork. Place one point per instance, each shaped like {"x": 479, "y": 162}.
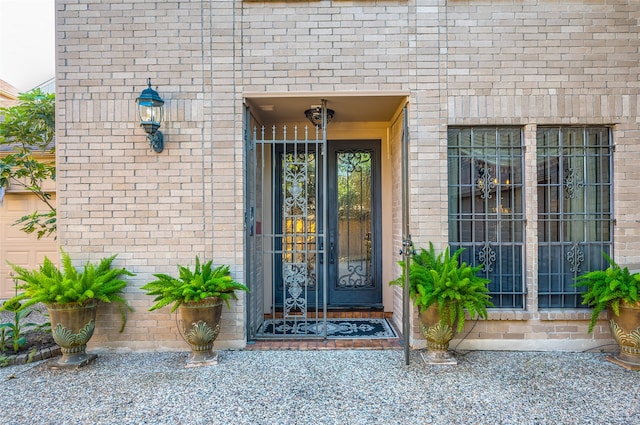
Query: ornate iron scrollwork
{"x": 485, "y": 183}
{"x": 575, "y": 257}
{"x": 352, "y": 161}
{"x": 572, "y": 183}
{"x": 487, "y": 256}
{"x": 357, "y": 277}
{"x": 296, "y": 176}
{"x": 295, "y": 280}
{"x": 298, "y": 212}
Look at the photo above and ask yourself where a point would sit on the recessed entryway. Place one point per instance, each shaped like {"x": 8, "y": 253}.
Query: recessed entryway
{"x": 316, "y": 211}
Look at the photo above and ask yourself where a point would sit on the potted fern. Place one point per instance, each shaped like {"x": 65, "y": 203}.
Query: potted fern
{"x": 71, "y": 297}
{"x": 442, "y": 288}
{"x": 617, "y": 290}
{"x": 198, "y": 294}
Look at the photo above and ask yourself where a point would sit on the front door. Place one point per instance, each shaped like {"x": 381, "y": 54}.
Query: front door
{"x": 351, "y": 254}
{"x": 354, "y": 230}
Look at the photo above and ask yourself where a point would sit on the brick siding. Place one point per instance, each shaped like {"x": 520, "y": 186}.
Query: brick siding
{"x": 484, "y": 62}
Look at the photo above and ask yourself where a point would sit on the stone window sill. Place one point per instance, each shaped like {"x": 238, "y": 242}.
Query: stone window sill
{"x": 542, "y": 315}
{"x": 568, "y": 314}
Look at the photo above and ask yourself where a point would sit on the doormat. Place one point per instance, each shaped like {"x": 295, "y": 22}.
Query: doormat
{"x": 336, "y": 328}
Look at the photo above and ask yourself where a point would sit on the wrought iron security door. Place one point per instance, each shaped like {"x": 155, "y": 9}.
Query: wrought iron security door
{"x": 285, "y": 227}
{"x": 299, "y": 275}
{"x": 300, "y": 191}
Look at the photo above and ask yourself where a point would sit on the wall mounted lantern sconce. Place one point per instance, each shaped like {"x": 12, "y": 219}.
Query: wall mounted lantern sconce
{"x": 150, "y": 113}
{"x": 315, "y": 115}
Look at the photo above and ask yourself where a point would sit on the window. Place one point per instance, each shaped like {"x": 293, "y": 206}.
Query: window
{"x": 486, "y": 206}
{"x": 574, "y": 209}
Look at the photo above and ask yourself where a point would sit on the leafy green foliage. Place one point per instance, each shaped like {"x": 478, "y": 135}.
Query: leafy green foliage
{"x": 43, "y": 224}
{"x": 14, "y": 331}
{"x": 29, "y": 128}
{"x": 50, "y": 285}
{"x": 610, "y": 287}
{"x": 193, "y": 285}
{"x": 442, "y": 280}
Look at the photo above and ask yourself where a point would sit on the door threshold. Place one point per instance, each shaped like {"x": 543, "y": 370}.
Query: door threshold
{"x": 337, "y": 314}
{"x": 325, "y": 344}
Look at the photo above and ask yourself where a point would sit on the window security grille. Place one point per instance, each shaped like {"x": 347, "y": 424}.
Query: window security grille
{"x": 486, "y": 206}
{"x": 574, "y": 209}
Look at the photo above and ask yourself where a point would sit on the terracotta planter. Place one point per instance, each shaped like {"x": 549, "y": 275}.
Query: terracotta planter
{"x": 72, "y": 326}
{"x": 438, "y": 334}
{"x": 200, "y": 322}
{"x": 625, "y": 329}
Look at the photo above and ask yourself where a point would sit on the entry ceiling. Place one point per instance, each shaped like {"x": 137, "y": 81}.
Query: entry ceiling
{"x": 352, "y": 107}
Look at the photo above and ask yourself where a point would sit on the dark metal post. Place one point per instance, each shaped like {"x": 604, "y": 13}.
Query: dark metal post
{"x": 325, "y": 215}
{"x": 406, "y": 237}
{"x": 248, "y": 223}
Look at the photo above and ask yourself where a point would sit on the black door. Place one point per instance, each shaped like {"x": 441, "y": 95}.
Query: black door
{"x": 354, "y": 228}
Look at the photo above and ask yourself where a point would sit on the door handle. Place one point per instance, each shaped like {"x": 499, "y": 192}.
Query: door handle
{"x": 331, "y": 249}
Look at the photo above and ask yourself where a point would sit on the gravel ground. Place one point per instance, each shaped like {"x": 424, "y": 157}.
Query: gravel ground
{"x": 325, "y": 387}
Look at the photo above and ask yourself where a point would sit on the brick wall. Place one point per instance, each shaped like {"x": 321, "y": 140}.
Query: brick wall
{"x": 484, "y": 62}
{"x": 117, "y": 195}
{"x": 532, "y": 63}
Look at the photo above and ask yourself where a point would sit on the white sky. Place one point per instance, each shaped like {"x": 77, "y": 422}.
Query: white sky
{"x": 27, "y": 42}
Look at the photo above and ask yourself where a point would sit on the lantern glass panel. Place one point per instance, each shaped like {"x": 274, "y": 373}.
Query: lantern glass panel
{"x": 150, "y": 112}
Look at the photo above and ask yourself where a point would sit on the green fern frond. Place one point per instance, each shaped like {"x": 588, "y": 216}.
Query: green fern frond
{"x": 203, "y": 281}
{"x": 441, "y": 279}
{"x": 48, "y": 284}
{"x": 607, "y": 288}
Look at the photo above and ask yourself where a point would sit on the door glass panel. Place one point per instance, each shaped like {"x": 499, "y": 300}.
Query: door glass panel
{"x": 354, "y": 230}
